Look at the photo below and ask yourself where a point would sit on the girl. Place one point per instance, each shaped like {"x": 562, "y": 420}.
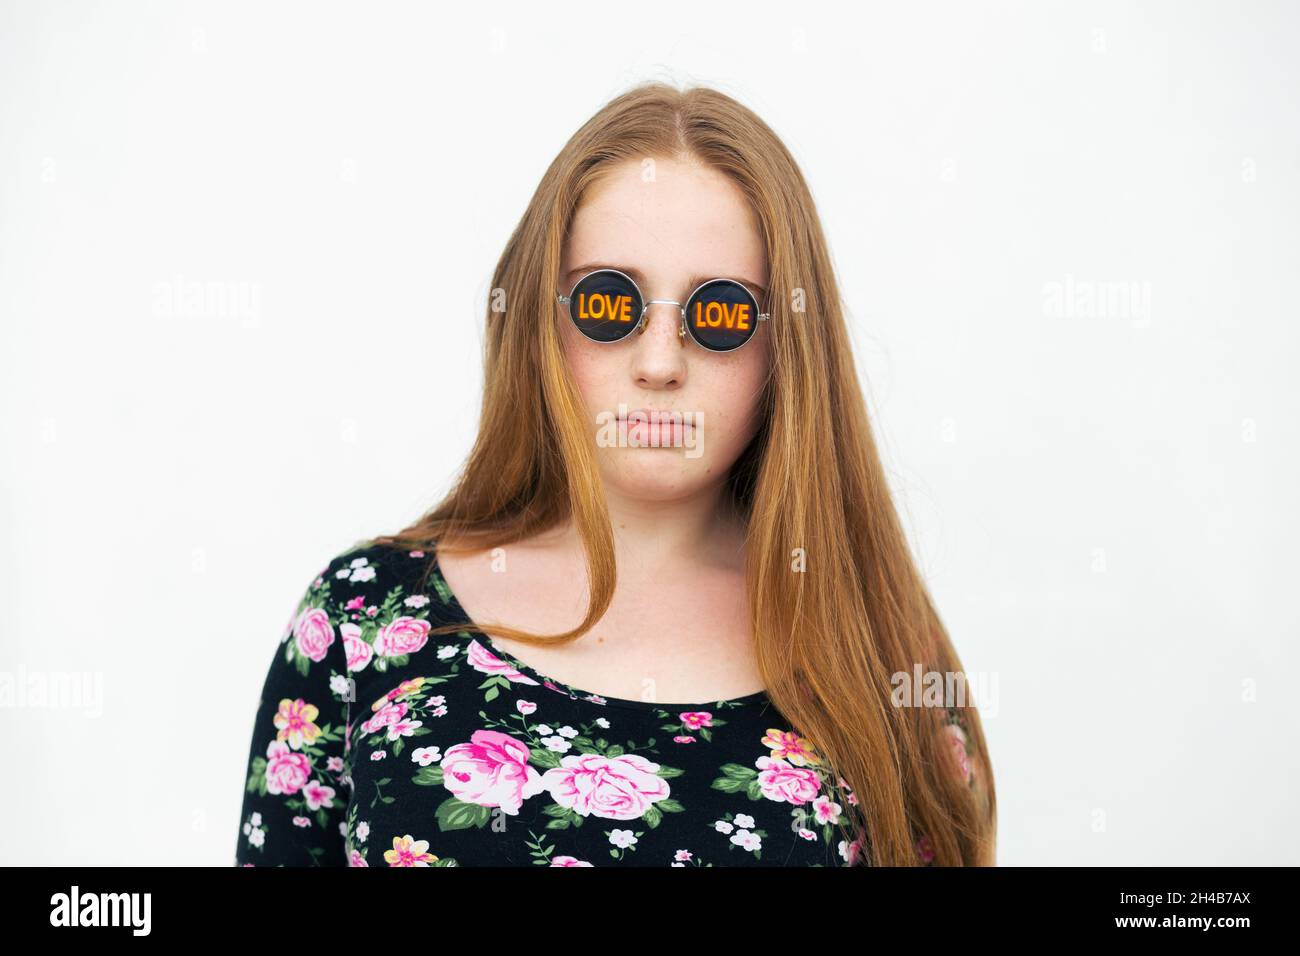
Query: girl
{"x": 665, "y": 616}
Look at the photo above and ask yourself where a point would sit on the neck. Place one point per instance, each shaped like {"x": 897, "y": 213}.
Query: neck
{"x": 660, "y": 535}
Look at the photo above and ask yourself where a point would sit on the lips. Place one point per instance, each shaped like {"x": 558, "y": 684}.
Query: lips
{"x": 649, "y": 416}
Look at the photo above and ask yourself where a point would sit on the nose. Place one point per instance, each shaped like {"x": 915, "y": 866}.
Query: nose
{"x": 656, "y": 362}
{"x": 666, "y": 319}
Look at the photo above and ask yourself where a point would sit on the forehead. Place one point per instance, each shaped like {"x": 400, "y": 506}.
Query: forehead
{"x": 667, "y": 219}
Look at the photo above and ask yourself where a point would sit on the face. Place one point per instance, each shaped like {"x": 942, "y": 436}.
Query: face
{"x": 687, "y": 221}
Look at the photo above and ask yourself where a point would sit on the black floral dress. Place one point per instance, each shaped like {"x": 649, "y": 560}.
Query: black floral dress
{"x": 375, "y": 745}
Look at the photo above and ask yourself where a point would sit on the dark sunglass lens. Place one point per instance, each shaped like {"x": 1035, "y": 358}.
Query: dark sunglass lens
{"x": 722, "y": 315}
{"x": 605, "y": 306}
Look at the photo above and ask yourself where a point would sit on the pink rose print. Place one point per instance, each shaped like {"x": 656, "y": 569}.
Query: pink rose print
{"x": 568, "y": 861}
{"x": 958, "y": 738}
{"x": 358, "y": 651}
{"x": 386, "y": 716}
{"x": 491, "y": 770}
{"x": 406, "y": 635}
{"x": 481, "y": 659}
{"x": 924, "y": 850}
{"x": 617, "y": 788}
{"x": 695, "y": 719}
{"x": 286, "y": 771}
{"x": 356, "y": 859}
{"x": 851, "y": 852}
{"x": 782, "y": 782}
{"x": 313, "y": 633}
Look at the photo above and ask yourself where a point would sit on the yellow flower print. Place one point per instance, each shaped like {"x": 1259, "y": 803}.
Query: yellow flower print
{"x": 408, "y": 851}
{"x": 295, "y": 722}
{"x": 401, "y": 690}
{"x": 789, "y": 746}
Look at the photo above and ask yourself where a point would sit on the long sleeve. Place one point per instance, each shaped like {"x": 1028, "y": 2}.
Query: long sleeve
{"x": 296, "y": 795}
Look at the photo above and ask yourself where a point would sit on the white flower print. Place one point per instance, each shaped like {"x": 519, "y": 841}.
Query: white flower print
{"x": 426, "y": 755}
{"x": 747, "y": 840}
{"x": 341, "y": 686}
{"x": 622, "y": 838}
{"x": 744, "y": 821}
{"x": 556, "y": 743}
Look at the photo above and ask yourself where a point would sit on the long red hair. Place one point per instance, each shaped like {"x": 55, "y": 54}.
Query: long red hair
{"x": 916, "y": 782}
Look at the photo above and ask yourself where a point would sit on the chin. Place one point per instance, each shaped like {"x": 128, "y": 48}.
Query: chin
{"x": 657, "y": 474}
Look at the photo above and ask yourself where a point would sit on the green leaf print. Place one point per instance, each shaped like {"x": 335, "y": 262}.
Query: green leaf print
{"x": 429, "y": 777}
{"x": 455, "y": 814}
{"x": 736, "y": 777}
{"x": 257, "y": 776}
{"x": 543, "y": 757}
{"x": 440, "y": 586}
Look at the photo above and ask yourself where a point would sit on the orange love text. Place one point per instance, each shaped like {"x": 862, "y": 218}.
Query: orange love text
{"x": 716, "y": 315}
{"x": 600, "y": 305}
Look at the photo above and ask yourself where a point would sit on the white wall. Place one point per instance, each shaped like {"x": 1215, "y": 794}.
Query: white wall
{"x": 1104, "y": 504}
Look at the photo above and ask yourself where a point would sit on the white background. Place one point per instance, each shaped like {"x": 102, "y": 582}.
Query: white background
{"x": 1104, "y": 504}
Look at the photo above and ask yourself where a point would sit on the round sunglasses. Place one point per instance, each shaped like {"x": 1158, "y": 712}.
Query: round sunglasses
{"x": 721, "y": 315}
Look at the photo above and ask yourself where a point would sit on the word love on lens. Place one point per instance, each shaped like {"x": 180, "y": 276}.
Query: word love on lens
{"x": 601, "y": 305}
{"x": 714, "y": 315}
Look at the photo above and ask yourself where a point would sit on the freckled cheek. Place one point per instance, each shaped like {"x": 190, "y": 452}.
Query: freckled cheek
{"x": 730, "y": 405}
{"x": 593, "y": 372}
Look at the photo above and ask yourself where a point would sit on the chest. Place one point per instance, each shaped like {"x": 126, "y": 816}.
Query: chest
{"x": 454, "y": 766}
{"x": 686, "y": 638}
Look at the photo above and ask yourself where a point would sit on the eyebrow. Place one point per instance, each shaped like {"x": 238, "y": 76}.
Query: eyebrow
{"x": 639, "y": 277}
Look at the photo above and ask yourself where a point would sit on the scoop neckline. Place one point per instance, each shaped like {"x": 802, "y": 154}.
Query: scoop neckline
{"x": 577, "y": 693}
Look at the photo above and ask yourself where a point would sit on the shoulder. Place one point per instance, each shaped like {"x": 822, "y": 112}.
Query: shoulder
{"x": 358, "y": 585}
{"x": 370, "y": 585}
{"x": 366, "y": 567}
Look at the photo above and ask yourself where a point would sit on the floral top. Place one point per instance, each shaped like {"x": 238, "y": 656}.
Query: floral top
{"x": 375, "y": 745}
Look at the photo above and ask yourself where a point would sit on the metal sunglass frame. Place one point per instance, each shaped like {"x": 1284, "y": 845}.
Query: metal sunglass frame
{"x": 641, "y": 323}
